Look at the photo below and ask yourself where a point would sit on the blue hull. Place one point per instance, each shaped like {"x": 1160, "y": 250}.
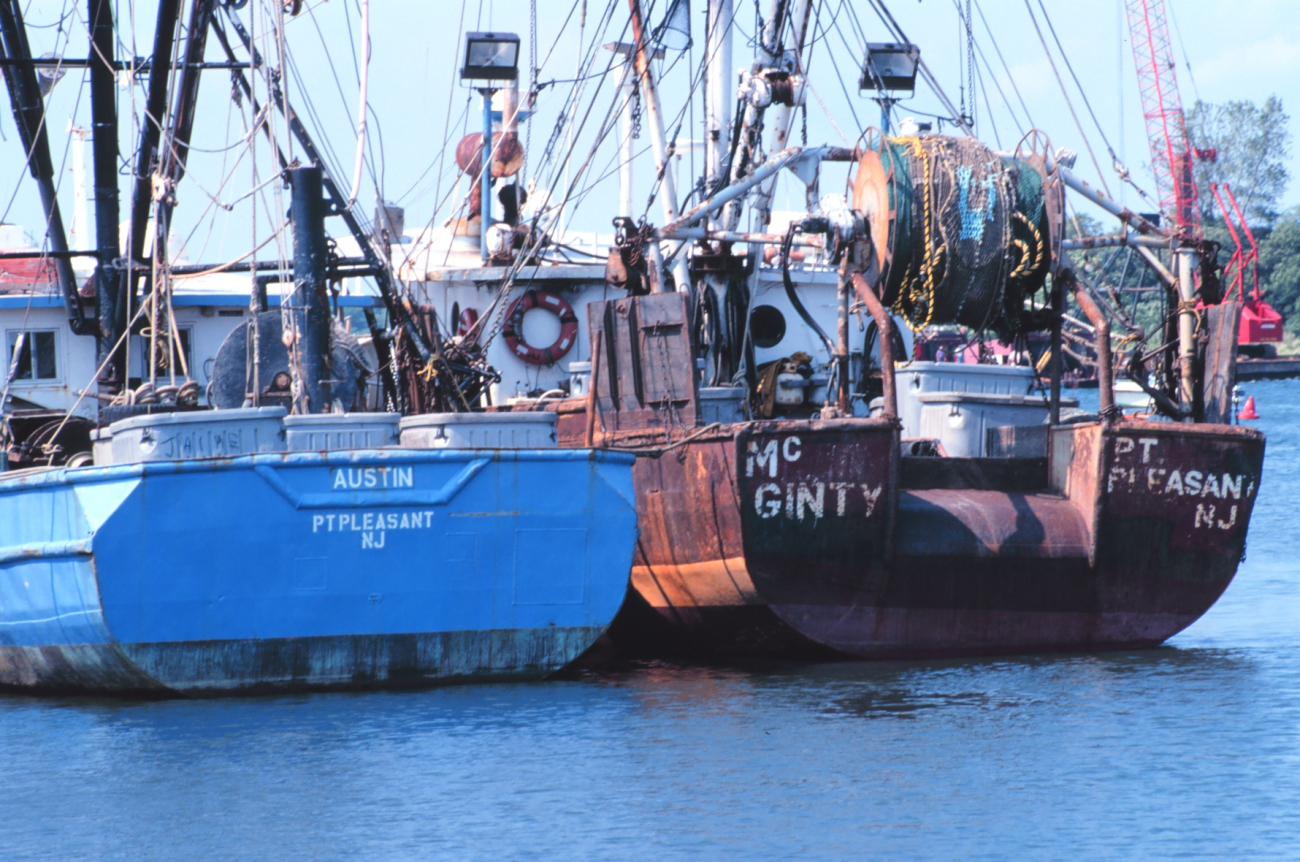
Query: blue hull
{"x": 359, "y": 569}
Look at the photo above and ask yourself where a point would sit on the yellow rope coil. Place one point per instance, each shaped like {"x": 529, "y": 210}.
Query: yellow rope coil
{"x": 920, "y": 287}
{"x": 1025, "y": 266}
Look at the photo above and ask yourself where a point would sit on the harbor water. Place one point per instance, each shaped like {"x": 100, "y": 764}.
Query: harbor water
{"x": 1188, "y": 751}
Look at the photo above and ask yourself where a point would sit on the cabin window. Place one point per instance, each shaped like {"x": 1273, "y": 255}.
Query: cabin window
{"x": 767, "y": 326}
{"x": 38, "y": 359}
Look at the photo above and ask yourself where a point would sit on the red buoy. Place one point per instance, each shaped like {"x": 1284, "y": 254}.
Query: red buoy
{"x": 1249, "y": 412}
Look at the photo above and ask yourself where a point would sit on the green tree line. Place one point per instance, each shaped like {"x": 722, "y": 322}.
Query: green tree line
{"x": 1248, "y": 147}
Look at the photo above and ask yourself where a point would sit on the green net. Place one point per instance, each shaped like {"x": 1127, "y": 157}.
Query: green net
{"x": 969, "y": 232}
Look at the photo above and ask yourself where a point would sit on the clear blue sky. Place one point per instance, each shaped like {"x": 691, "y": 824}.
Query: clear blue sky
{"x": 1236, "y": 50}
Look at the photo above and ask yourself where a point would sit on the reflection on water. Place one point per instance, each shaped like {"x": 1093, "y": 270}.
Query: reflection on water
{"x": 1189, "y": 750}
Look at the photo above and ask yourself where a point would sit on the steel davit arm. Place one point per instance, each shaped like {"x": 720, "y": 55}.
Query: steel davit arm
{"x": 885, "y": 330}
{"x": 737, "y": 189}
{"x": 1105, "y": 387}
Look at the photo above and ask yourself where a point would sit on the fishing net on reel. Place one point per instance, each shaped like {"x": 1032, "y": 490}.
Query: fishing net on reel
{"x": 960, "y": 232}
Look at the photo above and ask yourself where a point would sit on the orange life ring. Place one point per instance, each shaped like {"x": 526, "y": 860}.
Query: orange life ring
{"x": 514, "y": 327}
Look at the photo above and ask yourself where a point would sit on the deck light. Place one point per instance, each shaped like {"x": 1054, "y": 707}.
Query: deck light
{"x": 890, "y": 67}
{"x": 890, "y": 70}
{"x": 491, "y": 57}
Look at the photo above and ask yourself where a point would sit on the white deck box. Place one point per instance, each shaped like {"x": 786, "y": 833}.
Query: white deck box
{"x": 320, "y": 432}
{"x": 197, "y": 434}
{"x": 531, "y": 430}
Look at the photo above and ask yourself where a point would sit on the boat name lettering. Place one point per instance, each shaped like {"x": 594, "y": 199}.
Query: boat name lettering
{"x": 798, "y": 500}
{"x": 1190, "y": 483}
{"x": 371, "y": 525}
{"x": 1183, "y": 483}
{"x": 1124, "y": 445}
{"x": 356, "y": 478}
{"x": 200, "y": 443}
{"x": 768, "y": 456}
{"x": 355, "y": 522}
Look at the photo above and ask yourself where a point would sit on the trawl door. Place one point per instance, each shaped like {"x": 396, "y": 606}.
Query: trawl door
{"x": 642, "y": 364}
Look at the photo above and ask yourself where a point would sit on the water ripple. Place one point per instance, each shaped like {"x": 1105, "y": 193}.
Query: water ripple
{"x": 1191, "y": 750}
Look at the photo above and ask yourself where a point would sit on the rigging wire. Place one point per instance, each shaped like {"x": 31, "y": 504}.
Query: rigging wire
{"x": 1171, "y": 6}
{"x": 59, "y": 52}
{"x": 1069, "y": 104}
{"x": 1010, "y": 77}
{"x": 887, "y": 17}
{"x": 983, "y": 89}
{"x": 363, "y": 107}
{"x": 1118, "y": 165}
{"x": 839, "y": 76}
{"x": 979, "y": 49}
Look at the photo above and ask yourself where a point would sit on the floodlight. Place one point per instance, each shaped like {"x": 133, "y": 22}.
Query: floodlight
{"x": 890, "y": 67}
{"x": 491, "y": 57}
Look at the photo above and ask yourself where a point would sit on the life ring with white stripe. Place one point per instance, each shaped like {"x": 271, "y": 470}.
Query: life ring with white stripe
{"x": 514, "y": 327}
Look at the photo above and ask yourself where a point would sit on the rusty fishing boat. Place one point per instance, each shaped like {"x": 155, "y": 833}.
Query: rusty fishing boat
{"x": 807, "y": 482}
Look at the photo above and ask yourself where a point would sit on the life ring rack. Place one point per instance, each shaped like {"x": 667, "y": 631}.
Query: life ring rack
{"x": 513, "y": 331}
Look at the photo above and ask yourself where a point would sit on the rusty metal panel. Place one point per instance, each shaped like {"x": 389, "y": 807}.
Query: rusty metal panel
{"x": 972, "y": 523}
{"x": 816, "y": 502}
{"x": 643, "y": 370}
{"x": 1192, "y": 494}
{"x": 691, "y": 594}
{"x": 689, "y": 553}
{"x": 1220, "y": 375}
{"x": 1099, "y": 564}
{"x": 1075, "y": 471}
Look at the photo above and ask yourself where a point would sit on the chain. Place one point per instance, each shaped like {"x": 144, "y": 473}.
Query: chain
{"x": 636, "y": 110}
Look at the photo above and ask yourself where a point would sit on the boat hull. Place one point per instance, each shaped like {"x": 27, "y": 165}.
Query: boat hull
{"x": 691, "y": 593}
{"x": 365, "y": 569}
{"x": 1135, "y": 532}
{"x": 801, "y": 538}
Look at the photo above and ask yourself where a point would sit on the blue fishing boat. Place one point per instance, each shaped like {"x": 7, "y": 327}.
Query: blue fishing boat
{"x": 311, "y": 570}
{"x": 286, "y": 535}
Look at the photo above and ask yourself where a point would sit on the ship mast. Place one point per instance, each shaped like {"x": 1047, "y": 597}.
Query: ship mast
{"x": 29, "y": 116}
{"x": 779, "y": 120}
{"x": 721, "y": 94}
{"x": 103, "y": 114}
{"x": 768, "y": 50}
{"x": 658, "y": 144}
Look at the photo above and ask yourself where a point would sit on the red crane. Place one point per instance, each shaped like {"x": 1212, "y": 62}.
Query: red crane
{"x": 1162, "y": 108}
{"x": 1171, "y": 162}
{"x": 1260, "y": 323}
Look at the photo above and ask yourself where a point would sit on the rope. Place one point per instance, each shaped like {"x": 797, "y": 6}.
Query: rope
{"x": 909, "y": 295}
{"x": 1050, "y": 59}
{"x": 656, "y": 451}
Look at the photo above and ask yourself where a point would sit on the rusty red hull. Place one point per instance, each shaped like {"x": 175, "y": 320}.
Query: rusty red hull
{"x": 1135, "y": 531}
{"x": 691, "y": 595}
{"x": 797, "y": 538}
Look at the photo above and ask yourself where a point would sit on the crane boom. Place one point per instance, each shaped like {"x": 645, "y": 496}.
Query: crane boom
{"x": 1162, "y": 109}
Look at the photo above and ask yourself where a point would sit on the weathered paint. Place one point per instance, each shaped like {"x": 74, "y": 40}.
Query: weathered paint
{"x": 1118, "y": 549}
{"x": 696, "y": 596}
{"x": 692, "y": 593}
{"x": 265, "y": 572}
{"x": 833, "y": 542}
